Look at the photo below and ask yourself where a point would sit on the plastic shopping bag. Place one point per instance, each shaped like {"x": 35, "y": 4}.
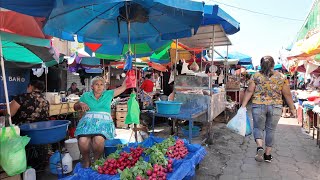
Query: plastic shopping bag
{"x": 12, "y": 152}
{"x": 248, "y": 126}
{"x": 131, "y": 80}
{"x": 133, "y": 115}
{"x": 238, "y": 122}
{"x": 128, "y": 63}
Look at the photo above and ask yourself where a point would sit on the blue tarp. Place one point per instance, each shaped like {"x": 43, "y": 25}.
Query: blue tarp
{"x": 182, "y": 169}
{"x": 215, "y": 15}
{"x": 243, "y": 58}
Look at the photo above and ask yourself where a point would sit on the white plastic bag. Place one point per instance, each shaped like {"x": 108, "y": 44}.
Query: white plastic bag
{"x": 238, "y": 122}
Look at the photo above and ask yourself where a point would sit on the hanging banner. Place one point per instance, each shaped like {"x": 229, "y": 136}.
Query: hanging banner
{"x": 17, "y": 82}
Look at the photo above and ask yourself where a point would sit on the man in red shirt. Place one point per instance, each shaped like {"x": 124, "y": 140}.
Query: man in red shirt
{"x": 147, "y": 84}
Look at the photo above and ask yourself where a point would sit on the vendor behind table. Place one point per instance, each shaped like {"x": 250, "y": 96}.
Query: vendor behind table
{"x": 96, "y": 125}
{"x": 31, "y": 106}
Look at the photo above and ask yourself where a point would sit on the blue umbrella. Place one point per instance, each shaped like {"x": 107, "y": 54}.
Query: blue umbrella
{"x": 215, "y": 15}
{"x": 114, "y": 23}
{"x": 243, "y": 59}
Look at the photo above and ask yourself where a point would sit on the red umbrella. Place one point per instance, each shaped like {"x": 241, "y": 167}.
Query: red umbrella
{"x": 16, "y": 23}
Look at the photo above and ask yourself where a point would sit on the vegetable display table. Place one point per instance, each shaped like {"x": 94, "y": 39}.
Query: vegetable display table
{"x": 182, "y": 169}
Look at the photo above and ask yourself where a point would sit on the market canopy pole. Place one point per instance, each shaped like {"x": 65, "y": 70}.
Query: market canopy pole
{"x": 4, "y": 79}
{"x": 175, "y": 68}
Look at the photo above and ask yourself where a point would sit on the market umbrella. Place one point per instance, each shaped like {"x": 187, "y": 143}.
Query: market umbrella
{"x": 26, "y": 52}
{"x": 243, "y": 58}
{"x": 21, "y": 24}
{"x": 117, "y": 23}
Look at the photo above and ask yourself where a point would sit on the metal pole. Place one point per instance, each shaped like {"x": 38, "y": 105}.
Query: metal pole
{"x": 210, "y": 79}
{"x": 227, "y": 67}
{"x": 201, "y": 60}
{"x": 175, "y": 68}
{"x": 4, "y": 78}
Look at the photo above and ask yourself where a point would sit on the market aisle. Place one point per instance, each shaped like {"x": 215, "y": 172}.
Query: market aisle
{"x": 296, "y": 156}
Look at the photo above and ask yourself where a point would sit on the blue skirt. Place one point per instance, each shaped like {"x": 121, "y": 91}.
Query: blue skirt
{"x": 96, "y": 124}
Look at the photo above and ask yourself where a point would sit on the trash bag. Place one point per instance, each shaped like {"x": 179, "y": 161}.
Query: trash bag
{"x": 248, "y": 126}
{"x": 133, "y": 115}
{"x": 238, "y": 122}
{"x": 128, "y": 63}
{"x": 12, "y": 152}
{"x": 131, "y": 80}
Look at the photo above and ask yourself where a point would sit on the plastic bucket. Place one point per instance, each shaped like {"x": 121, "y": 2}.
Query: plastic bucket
{"x": 168, "y": 107}
{"x": 195, "y": 131}
{"x": 73, "y": 149}
{"x": 110, "y": 146}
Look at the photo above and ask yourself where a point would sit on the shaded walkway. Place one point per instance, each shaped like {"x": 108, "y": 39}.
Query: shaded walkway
{"x": 295, "y": 156}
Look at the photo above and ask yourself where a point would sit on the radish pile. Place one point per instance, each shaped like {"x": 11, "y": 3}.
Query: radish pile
{"x": 125, "y": 160}
{"x": 159, "y": 172}
{"x": 178, "y": 151}
{"x": 132, "y": 165}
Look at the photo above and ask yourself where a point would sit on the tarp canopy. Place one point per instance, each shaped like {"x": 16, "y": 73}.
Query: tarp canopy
{"x": 243, "y": 58}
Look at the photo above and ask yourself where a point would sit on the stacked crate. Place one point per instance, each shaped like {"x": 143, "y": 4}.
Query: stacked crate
{"x": 121, "y": 113}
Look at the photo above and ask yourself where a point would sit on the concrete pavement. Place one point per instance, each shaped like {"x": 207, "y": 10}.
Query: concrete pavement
{"x": 231, "y": 157}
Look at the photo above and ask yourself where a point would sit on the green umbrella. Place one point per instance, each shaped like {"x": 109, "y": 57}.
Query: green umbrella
{"x": 26, "y": 51}
{"x": 142, "y": 50}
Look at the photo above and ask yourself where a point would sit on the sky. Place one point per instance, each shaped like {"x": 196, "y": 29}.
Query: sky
{"x": 262, "y": 35}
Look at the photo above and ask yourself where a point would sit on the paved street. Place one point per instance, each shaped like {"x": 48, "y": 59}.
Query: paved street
{"x": 295, "y": 156}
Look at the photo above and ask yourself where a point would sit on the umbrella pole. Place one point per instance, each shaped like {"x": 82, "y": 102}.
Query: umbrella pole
{"x": 211, "y": 79}
{"x": 135, "y": 60}
{"x": 175, "y": 68}
{"x": 4, "y": 78}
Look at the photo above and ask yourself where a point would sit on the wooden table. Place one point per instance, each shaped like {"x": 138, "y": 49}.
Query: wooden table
{"x": 61, "y": 108}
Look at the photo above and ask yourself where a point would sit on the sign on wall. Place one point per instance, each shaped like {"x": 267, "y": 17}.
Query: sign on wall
{"x": 17, "y": 82}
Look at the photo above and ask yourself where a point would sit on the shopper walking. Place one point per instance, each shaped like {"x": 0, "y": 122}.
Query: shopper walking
{"x": 266, "y": 89}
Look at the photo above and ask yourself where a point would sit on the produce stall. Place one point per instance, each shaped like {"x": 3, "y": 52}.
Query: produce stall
{"x": 150, "y": 159}
{"x": 197, "y": 103}
{"x": 195, "y": 90}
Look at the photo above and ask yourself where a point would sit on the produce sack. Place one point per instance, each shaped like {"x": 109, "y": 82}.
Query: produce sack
{"x": 128, "y": 63}
{"x": 133, "y": 115}
{"x": 238, "y": 122}
{"x": 131, "y": 80}
{"x": 12, "y": 152}
{"x": 194, "y": 66}
{"x": 248, "y": 126}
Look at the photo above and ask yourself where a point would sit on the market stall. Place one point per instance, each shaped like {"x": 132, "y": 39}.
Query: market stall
{"x": 149, "y": 159}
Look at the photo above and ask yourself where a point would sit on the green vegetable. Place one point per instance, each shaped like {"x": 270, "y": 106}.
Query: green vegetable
{"x": 97, "y": 163}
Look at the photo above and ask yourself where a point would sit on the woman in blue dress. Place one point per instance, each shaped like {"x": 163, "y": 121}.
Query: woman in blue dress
{"x": 96, "y": 125}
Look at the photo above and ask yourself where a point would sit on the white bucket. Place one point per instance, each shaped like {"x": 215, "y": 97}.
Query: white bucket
{"x": 72, "y": 147}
